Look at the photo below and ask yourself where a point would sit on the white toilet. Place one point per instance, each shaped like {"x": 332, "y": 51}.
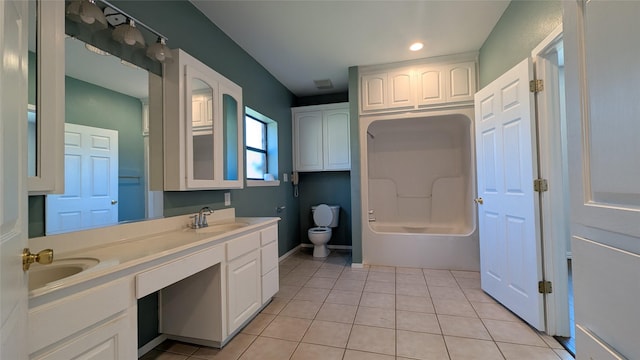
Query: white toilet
{"x": 325, "y": 217}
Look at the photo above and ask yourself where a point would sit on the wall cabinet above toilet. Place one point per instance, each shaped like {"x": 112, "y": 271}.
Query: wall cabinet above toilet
{"x": 321, "y": 138}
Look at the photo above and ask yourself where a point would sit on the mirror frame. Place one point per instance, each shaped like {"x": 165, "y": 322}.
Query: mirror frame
{"x": 50, "y": 90}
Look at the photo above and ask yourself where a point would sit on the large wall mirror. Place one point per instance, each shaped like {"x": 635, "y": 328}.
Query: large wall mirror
{"x": 105, "y": 140}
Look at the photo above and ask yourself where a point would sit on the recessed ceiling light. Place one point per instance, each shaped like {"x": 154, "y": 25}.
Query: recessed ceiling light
{"x": 416, "y": 46}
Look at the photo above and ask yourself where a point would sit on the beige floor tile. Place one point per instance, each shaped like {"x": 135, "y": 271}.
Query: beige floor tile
{"x": 563, "y": 354}
{"x": 372, "y": 299}
{"x": 513, "y": 332}
{"x": 275, "y": 306}
{"x": 231, "y": 351}
{"x": 337, "y": 313}
{"x": 301, "y": 309}
{"x": 472, "y": 349}
{"x": 320, "y": 282}
{"x": 317, "y": 352}
{"x": 264, "y": 348}
{"x": 372, "y": 339}
{"x": 354, "y": 274}
{"x": 449, "y": 281}
{"x": 477, "y": 295}
{"x": 381, "y": 276}
{"x": 432, "y": 273}
{"x": 410, "y": 279}
{"x": 287, "y": 291}
{"x": 466, "y": 283}
{"x": 447, "y": 293}
{"x": 409, "y": 271}
{"x": 494, "y": 312}
{"x": 328, "y": 333}
{"x": 294, "y": 279}
{"x": 162, "y": 355}
{"x": 425, "y": 346}
{"x": 328, "y": 273}
{"x": 361, "y": 355}
{"x": 454, "y": 307}
{"x": 382, "y": 268}
{"x": 259, "y": 323}
{"x": 526, "y": 352}
{"x": 344, "y": 297}
{"x": 349, "y": 284}
{"x": 463, "y": 327}
{"x": 414, "y": 303}
{"x": 551, "y": 342}
{"x": 302, "y": 270}
{"x": 312, "y": 294}
{"x": 380, "y": 286}
{"x": 460, "y": 274}
{"x": 412, "y": 289}
{"x": 376, "y": 317}
{"x": 420, "y": 322}
{"x": 177, "y": 347}
{"x": 287, "y": 328}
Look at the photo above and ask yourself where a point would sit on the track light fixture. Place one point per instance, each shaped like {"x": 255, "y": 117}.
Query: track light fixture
{"x": 128, "y": 34}
{"x": 87, "y": 12}
{"x": 159, "y": 51}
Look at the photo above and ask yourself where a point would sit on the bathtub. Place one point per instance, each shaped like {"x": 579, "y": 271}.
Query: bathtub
{"x": 418, "y": 186}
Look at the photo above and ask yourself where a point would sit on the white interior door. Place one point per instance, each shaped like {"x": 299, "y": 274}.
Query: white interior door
{"x": 91, "y": 181}
{"x": 510, "y": 254}
{"x": 13, "y": 181}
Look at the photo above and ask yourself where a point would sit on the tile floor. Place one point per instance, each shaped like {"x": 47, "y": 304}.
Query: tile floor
{"x": 327, "y": 310}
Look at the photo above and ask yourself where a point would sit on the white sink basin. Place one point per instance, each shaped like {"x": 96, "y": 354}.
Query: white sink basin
{"x": 41, "y": 275}
{"x": 221, "y": 228}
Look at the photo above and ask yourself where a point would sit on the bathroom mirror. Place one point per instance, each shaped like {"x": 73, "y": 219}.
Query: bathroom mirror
{"x": 102, "y": 93}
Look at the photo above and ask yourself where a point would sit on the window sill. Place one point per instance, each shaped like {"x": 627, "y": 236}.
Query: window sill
{"x": 258, "y": 183}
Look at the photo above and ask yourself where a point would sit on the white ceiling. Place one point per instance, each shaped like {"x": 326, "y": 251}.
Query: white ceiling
{"x": 306, "y": 40}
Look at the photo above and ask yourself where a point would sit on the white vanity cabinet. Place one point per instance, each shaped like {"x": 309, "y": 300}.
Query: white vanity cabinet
{"x": 269, "y": 263}
{"x": 202, "y": 127}
{"x": 244, "y": 281}
{"x": 321, "y": 138}
{"x": 99, "y": 323}
{"x": 418, "y": 85}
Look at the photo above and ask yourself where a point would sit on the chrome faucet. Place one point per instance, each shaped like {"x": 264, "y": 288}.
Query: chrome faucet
{"x": 200, "y": 219}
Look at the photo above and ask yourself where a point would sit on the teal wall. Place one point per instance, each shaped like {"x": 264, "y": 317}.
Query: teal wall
{"x": 91, "y": 105}
{"x": 523, "y": 25}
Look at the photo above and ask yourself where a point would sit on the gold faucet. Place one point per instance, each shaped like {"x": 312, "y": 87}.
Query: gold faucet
{"x": 43, "y": 257}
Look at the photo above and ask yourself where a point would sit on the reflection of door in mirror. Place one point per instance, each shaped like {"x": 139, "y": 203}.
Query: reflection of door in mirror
{"x": 202, "y": 125}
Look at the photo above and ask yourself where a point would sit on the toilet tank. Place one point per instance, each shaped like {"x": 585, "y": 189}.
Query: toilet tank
{"x": 335, "y": 210}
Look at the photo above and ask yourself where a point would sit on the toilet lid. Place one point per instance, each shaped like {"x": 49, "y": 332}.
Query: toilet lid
{"x": 322, "y": 216}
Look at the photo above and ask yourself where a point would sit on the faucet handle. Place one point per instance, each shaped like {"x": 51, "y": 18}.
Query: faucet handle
{"x": 196, "y": 221}
{"x": 203, "y": 220}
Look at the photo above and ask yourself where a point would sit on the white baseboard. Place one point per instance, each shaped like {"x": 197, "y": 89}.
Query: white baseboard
{"x": 357, "y": 266}
{"x": 335, "y": 247}
{"x": 151, "y": 345}
{"x": 289, "y": 253}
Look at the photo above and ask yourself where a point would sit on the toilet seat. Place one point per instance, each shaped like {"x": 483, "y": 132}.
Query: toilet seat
{"x": 320, "y": 229}
{"x": 323, "y": 216}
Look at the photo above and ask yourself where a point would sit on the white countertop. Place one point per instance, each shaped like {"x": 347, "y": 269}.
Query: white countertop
{"x": 166, "y": 238}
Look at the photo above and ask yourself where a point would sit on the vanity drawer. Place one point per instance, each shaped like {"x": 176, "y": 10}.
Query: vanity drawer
{"x": 165, "y": 275}
{"x": 59, "y": 319}
{"x": 269, "y": 257}
{"x": 242, "y": 245}
{"x": 269, "y": 235}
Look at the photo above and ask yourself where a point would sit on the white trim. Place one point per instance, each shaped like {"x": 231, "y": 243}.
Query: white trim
{"x": 357, "y": 266}
{"x": 569, "y": 255}
{"x": 151, "y": 345}
{"x": 259, "y": 183}
{"x": 289, "y": 253}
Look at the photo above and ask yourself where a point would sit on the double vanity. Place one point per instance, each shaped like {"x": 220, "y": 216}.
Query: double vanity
{"x": 212, "y": 281}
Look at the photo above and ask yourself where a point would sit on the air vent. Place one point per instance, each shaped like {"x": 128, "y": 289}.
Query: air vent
{"x": 323, "y": 84}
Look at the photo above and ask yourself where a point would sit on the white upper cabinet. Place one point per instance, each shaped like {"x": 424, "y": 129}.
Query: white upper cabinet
{"x": 321, "y": 138}
{"x": 420, "y": 85}
{"x": 202, "y": 127}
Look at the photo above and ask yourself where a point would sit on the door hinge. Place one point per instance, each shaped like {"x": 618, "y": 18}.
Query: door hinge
{"x": 540, "y": 185}
{"x": 544, "y": 287}
{"x": 536, "y": 86}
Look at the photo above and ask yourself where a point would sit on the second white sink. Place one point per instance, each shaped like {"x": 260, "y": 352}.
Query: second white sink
{"x": 41, "y": 275}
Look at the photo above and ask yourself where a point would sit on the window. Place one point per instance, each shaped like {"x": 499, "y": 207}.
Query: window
{"x": 261, "y": 148}
{"x": 256, "y": 140}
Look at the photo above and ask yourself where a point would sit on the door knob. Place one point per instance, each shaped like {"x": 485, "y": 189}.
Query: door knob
{"x": 113, "y": 202}
{"x": 43, "y": 257}
{"x": 479, "y": 201}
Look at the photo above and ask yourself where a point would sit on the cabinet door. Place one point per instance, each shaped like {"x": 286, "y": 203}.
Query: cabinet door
{"x": 114, "y": 340}
{"x": 401, "y": 89}
{"x": 337, "y": 151}
{"x": 461, "y": 81}
{"x": 243, "y": 289}
{"x": 431, "y": 85}
{"x": 308, "y": 141}
{"x": 374, "y": 92}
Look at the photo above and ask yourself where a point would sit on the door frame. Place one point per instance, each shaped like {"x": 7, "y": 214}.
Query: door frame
{"x": 553, "y": 203}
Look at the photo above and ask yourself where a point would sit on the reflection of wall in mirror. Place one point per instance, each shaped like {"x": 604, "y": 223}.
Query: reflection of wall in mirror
{"x": 91, "y": 105}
